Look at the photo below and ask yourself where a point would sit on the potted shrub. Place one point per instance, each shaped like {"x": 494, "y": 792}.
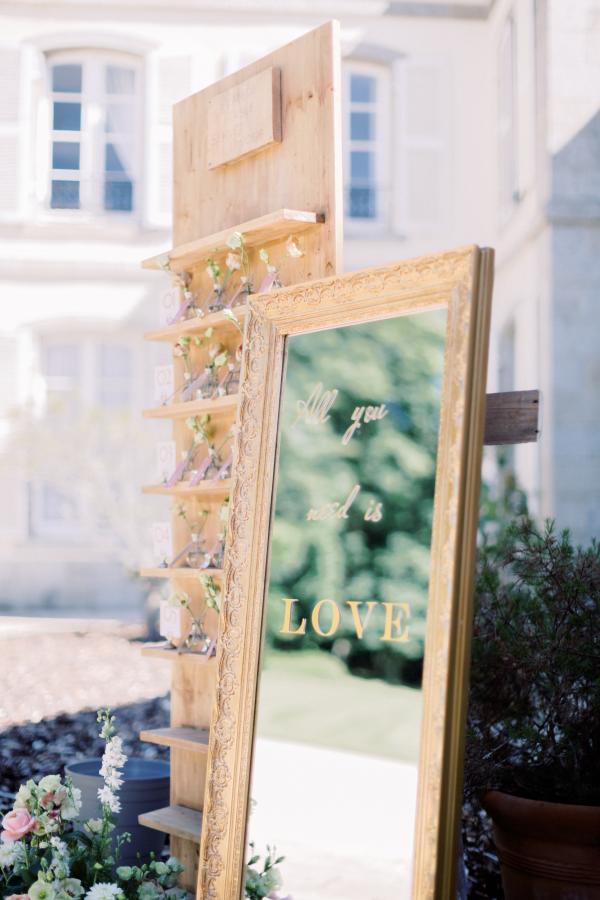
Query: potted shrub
{"x": 533, "y": 746}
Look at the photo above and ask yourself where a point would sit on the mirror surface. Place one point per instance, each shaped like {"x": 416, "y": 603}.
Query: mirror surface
{"x": 338, "y": 716}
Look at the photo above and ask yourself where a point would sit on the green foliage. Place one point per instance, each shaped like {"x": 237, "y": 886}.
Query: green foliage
{"x": 398, "y": 363}
{"x": 534, "y": 717}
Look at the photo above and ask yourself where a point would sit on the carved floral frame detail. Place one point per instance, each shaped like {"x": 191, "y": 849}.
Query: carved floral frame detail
{"x": 460, "y": 281}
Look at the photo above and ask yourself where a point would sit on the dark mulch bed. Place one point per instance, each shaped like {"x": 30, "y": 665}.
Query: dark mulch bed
{"x": 41, "y": 748}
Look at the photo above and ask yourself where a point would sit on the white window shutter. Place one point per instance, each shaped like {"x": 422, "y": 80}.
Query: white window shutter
{"x": 12, "y": 90}
{"x": 421, "y": 176}
{"x": 169, "y": 81}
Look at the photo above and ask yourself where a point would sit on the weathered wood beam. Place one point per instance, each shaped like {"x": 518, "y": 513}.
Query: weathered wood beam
{"x": 512, "y": 417}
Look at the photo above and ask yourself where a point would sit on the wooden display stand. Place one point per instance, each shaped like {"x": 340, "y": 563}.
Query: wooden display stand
{"x": 259, "y": 153}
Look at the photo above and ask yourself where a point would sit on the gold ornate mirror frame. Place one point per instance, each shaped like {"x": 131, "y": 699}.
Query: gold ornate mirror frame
{"x": 460, "y": 281}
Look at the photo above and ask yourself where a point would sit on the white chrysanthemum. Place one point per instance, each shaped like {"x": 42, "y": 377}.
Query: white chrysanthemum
{"x": 103, "y": 891}
{"x": 10, "y": 853}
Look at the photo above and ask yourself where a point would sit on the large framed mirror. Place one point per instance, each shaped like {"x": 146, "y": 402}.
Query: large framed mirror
{"x": 343, "y": 652}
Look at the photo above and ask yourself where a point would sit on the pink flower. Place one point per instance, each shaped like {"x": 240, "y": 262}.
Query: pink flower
{"x": 17, "y": 824}
{"x": 18, "y": 897}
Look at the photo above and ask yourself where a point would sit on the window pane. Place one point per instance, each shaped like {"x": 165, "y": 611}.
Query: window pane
{"x": 67, "y": 117}
{"x": 362, "y": 89}
{"x": 361, "y": 165}
{"x": 60, "y": 361}
{"x": 362, "y": 126}
{"x": 119, "y": 118}
{"x": 66, "y": 79}
{"x": 56, "y": 507}
{"x": 113, "y": 361}
{"x": 119, "y": 80}
{"x": 65, "y": 195}
{"x": 65, "y": 155}
{"x": 362, "y": 203}
{"x": 118, "y": 195}
{"x": 114, "y": 159}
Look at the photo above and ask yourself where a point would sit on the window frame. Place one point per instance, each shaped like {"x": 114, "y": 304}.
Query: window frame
{"x": 92, "y": 136}
{"x": 380, "y": 146}
{"x": 507, "y": 119}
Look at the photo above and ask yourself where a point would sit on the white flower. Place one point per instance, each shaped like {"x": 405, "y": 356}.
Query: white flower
{"x": 103, "y": 891}
{"x": 10, "y": 852}
{"x": 106, "y": 796}
{"x": 293, "y": 249}
{"x": 113, "y": 755}
{"x": 71, "y": 806}
{"x": 94, "y": 826}
{"x": 69, "y": 887}
{"x": 24, "y": 796}
{"x": 264, "y": 256}
{"x": 41, "y": 890}
{"x": 50, "y": 783}
{"x": 233, "y": 262}
{"x": 113, "y": 781}
{"x": 235, "y": 240}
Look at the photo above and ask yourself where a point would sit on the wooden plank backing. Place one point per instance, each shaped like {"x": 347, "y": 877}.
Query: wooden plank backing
{"x": 512, "y": 417}
{"x": 302, "y": 172}
{"x": 244, "y": 119}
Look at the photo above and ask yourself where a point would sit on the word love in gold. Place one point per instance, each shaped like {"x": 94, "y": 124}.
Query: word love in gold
{"x": 337, "y": 510}
{"x": 315, "y": 410}
{"x": 364, "y": 414}
{"x": 395, "y": 623}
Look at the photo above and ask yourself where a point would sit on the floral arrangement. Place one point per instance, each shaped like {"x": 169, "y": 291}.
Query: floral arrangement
{"x": 264, "y": 881}
{"x": 197, "y": 640}
{"x": 45, "y": 854}
{"x": 212, "y": 592}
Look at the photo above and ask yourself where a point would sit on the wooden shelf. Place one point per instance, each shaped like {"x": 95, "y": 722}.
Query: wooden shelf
{"x": 192, "y": 326}
{"x": 182, "y": 738}
{"x": 272, "y": 227}
{"x": 215, "y": 407}
{"x": 160, "y": 651}
{"x": 179, "y": 821}
{"x": 184, "y": 489}
{"x": 178, "y": 572}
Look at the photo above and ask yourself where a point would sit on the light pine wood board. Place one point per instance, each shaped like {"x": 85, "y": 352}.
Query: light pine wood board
{"x": 302, "y": 172}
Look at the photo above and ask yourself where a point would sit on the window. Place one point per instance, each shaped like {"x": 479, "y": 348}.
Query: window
{"x": 113, "y": 370}
{"x": 366, "y": 141}
{"x": 94, "y": 132}
{"x": 507, "y": 119}
{"x": 61, "y": 368}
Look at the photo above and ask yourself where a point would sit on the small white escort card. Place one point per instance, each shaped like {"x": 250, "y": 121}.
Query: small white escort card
{"x": 170, "y": 624}
{"x": 164, "y": 383}
{"x": 169, "y": 305}
{"x": 165, "y": 460}
{"x": 162, "y": 543}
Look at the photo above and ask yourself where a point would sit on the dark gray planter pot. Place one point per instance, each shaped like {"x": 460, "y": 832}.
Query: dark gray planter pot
{"x": 145, "y": 787}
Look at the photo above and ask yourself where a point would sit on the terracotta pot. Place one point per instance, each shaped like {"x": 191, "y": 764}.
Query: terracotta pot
{"x": 547, "y": 851}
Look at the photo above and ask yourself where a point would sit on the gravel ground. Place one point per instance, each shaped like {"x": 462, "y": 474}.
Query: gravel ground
{"x": 46, "y": 674}
{"x": 54, "y": 682}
